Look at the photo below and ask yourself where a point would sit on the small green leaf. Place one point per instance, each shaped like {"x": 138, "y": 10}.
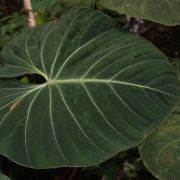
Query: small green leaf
{"x": 24, "y": 80}
{"x": 161, "y": 151}
{"x": 162, "y": 11}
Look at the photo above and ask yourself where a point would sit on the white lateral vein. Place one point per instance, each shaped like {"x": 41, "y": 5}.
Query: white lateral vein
{"x": 76, "y": 121}
{"x": 101, "y": 113}
{"x": 52, "y": 125}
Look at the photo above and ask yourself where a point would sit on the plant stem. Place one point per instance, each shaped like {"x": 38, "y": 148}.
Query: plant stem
{"x": 31, "y": 18}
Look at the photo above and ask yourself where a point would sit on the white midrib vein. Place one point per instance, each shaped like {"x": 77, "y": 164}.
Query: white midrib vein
{"x": 105, "y": 81}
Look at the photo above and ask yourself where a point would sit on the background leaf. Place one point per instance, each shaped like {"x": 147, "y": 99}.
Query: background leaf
{"x": 42, "y": 5}
{"x": 103, "y": 92}
{"x": 161, "y": 11}
{"x": 160, "y": 151}
{"x": 3, "y": 177}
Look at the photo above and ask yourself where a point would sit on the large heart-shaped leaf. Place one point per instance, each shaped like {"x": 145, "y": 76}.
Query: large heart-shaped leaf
{"x": 161, "y": 11}
{"x": 161, "y": 150}
{"x": 105, "y": 91}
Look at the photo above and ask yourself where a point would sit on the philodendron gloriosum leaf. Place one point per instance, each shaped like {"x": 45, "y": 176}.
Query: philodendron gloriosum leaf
{"x": 105, "y": 91}
{"x": 162, "y": 11}
{"x": 161, "y": 151}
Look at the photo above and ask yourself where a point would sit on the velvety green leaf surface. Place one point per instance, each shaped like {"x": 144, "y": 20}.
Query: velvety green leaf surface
{"x": 105, "y": 91}
{"x": 162, "y": 11}
{"x": 3, "y": 177}
{"x": 161, "y": 150}
{"x": 84, "y": 3}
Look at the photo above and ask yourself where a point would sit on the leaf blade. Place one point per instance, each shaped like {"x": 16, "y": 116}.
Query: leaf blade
{"x": 147, "y": 10}
{"x": 99, "y": 92}
{"x": 163, "y": 145}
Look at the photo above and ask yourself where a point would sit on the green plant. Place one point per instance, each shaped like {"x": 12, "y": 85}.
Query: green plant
{"x": 13, "y": 22}
{"x": 160, "y": 151}
{"x": 161, "y": 11}
{"x": 3, "y": 177}
{"x": 103, "y": 91}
